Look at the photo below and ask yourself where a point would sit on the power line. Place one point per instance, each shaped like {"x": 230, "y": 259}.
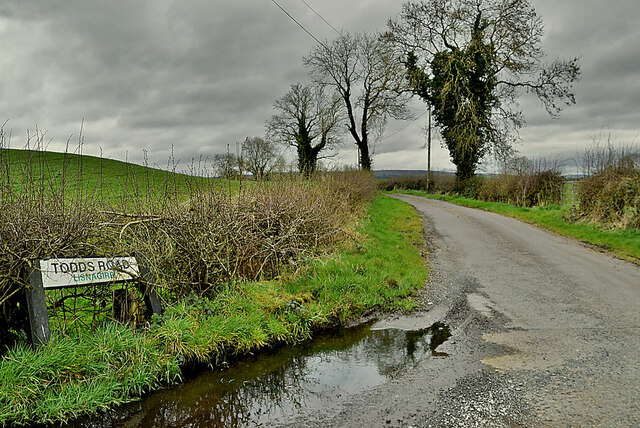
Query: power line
{"x": 296, "y": 21}
{"x": 321, "y": 17}
{"x": 402, "y": 127}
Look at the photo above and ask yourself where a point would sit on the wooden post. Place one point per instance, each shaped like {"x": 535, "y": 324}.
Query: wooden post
{"x": 151, "y": 299}
{"x": 152, "y": 302}
{"x": 37, "y": 307}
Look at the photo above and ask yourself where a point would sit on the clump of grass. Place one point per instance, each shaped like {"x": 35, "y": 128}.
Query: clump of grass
{"x": 377, "y": 272}
{"x": 70, "y": 377}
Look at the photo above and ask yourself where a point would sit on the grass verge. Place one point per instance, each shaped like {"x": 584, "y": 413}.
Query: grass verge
{"x": 376, "y": 272}
{"x": 624, "y": 243}
{"x": 379, "y": 270}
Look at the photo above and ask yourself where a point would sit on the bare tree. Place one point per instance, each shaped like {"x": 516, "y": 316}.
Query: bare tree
{"x": 599, "y": 156}
{"x": 369, "y": 77}
{"x": 258, "y": 156}
{"x": 307, "y": 119}
{"x": 225, "y": 165}
{"x": 471, "y": 60}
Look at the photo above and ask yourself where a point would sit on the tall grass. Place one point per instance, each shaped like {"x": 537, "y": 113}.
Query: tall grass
{"x": 70, "y": 377}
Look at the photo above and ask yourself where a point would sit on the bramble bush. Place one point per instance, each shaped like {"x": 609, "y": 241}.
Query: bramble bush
{"x": 612, "y": 197}
{"x": 194, "y": 235}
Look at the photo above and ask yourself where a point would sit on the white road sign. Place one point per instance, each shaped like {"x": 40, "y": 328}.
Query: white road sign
{"x": 75, "y": 272}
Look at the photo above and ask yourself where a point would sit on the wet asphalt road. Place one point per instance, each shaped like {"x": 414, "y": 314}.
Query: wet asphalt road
{"x": 545, "y": 333}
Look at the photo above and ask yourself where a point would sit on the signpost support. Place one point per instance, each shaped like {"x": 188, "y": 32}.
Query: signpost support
{"x": 37, "y": 307}
{"x": 151, "y": 299}
{"x": 152, "y": 302}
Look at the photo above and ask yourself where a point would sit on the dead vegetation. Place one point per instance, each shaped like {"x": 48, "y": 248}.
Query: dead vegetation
{"x": 193, "y": 240}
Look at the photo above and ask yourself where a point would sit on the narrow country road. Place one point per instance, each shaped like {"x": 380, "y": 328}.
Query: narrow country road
{"x": 545, "y": 332}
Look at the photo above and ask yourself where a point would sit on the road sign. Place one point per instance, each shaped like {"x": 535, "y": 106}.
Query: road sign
{"x": 80, "y": 272}
{"x": 58, "y": 273}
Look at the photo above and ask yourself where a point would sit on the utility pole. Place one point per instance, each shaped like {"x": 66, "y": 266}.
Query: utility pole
{"x": 429, "y": 152}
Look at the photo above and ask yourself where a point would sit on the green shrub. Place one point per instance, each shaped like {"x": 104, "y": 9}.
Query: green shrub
{"x": 528, "y": 190}
{"x": 612, "y": 197}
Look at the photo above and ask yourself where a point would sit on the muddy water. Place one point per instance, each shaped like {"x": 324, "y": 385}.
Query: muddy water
{"x": 272, "y": 388}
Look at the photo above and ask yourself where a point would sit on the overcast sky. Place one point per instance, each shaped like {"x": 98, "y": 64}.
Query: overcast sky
{"x": 202, "y": 74}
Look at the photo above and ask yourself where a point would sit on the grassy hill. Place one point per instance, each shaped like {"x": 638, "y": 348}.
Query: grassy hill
{"x": 107, "y": 180}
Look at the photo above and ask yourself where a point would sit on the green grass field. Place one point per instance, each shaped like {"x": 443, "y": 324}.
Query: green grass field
{"x": 108, "y": 181}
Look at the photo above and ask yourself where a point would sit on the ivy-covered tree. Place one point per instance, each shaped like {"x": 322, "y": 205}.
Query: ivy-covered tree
{"x": 470, "y": 60}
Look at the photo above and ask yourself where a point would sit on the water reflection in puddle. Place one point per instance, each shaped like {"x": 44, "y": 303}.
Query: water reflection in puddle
{"x": 269, "y": 388}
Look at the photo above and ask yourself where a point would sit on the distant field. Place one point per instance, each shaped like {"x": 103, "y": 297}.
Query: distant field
{"x": 110, "y": 181}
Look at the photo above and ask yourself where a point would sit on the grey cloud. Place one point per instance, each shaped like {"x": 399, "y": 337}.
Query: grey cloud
{"x": 200, "y": 75}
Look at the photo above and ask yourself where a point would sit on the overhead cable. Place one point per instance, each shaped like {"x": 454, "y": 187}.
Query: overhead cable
{"x": 296, "y": 21}
{"x": 321, "y": 17}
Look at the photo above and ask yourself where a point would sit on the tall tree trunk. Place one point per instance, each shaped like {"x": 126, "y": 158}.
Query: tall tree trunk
{"x": 365, "y": 158}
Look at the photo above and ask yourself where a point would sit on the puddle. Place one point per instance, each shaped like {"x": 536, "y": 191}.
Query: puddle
{"x": 273, "y": 388}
